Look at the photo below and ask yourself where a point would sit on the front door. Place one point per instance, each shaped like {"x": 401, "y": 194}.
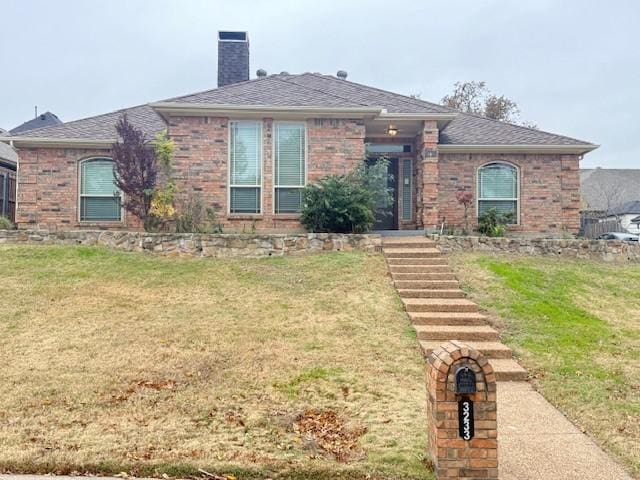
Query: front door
{"x": 386, "y": 212}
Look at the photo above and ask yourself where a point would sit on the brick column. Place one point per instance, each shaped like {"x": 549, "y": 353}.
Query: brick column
{"x": 570, "y": 193}
{"x": 427, "y": 146}
{"x": 453, "y": 456}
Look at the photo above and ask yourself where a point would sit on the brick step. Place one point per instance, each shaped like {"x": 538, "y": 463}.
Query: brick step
{"x": 423, "y": 276}
{"x": 447, "y": 318}
{"x": 417, "y": 261}
{"x": 424, "y": 293}
{"x": 411, "y": 252}
{"x": 428, "y": 284}
{"x": 488, "y": 349}
{"x": 508, "y": 370}
{"x": 408, "y": 242}
{"x": 439, "y": 305}
{"x": 420, "y": 269}
{"x": 458, "y": 332}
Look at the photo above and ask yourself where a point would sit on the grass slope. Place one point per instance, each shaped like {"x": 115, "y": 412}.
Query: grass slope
{"x": 576, "y": 326}
{"x": 128, "y": 362}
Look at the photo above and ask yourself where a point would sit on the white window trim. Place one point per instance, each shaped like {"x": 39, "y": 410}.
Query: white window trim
{"x": 518, "y": 189}
{"x": 274, "y": 175}
{"x": 260, "y": 163}
{"x": 81, "y": 195}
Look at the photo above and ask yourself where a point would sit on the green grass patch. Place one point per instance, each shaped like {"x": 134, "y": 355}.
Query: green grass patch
{"x": 576, "y": 326}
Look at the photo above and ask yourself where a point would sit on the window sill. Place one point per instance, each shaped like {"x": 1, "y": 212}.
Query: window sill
{"x": 286, "y": 216}
{"x": 244, "y": 216}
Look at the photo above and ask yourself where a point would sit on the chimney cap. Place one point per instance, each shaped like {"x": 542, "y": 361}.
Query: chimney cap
{"x": 341, "y": 74}
{"x": 230, "y": 36}
{"x": 261, "y": 72}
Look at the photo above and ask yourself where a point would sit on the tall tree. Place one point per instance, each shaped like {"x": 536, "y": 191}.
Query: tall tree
{"x": 475, "y": 97}
{"x": 136, "y": 169}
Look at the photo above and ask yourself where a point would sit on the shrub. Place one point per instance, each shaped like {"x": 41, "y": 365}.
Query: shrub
{"x": 5, "y": 223}
{"x": 493, "y": 223}
{"x": 194, "y": 217}
{"x": 345, "y": 203}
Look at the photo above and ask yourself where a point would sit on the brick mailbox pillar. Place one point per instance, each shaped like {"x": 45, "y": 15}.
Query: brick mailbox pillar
{"x": 461, "y": 413}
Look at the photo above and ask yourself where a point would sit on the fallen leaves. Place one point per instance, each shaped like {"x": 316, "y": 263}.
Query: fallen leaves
{"x": 328, "y": 432}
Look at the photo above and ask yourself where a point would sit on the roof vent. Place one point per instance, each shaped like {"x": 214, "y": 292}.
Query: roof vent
{"x": 342, "y": 74}
{"x": 284, "y": 72}
{"x": 261, "y": 73}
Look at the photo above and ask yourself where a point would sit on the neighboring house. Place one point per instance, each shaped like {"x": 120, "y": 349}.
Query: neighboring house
{"x": 248, "y": 147}
{"x": 46, "y": 119}
{"x": 8, "y": 163}
{"x": 606, "y": 188}
{"x": 627, "y": 214}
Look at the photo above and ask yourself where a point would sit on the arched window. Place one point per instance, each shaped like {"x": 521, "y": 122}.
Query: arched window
{"x": 498, "y": 188}
{"x": 100, "y": 199}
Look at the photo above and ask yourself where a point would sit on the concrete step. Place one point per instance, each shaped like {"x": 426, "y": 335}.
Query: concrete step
{"x": 478, "y": 333}
{"x": 417, "y": 261}
{"x": 488, "y": 349}
{"x": 420, "y": 269}
{"x": 424, "y": 293}
{"x": 408, "y": 242}
{"x": 447, "y": 318}
{"x": 428, "y": 284}
{"x": 423, "y": 276}
{"x": 508, "y": 370}
{"x": 411, "y": 252}
{"x": 439, "y": 305}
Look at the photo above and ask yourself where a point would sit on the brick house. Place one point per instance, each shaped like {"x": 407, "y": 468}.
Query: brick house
{"x": 249, "y": 146}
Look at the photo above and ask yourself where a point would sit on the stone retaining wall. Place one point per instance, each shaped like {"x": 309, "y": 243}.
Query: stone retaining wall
{"x": 606, "y": 250}
{"x": 202, "y": 245}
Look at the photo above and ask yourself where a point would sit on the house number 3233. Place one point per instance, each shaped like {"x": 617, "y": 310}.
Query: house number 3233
{"x": 465, "y": 419}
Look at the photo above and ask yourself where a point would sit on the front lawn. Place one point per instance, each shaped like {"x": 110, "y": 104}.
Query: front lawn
{"x": 576, "y": 326}
{"x": 283, "y": 367}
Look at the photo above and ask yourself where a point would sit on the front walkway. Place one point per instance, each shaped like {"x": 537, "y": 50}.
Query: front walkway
{"x": 535, "y": 440}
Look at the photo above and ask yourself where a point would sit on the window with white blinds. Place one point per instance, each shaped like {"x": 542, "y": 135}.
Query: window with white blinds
{"x": 99, "y": 195}
{"x": 245, "y": 167}
{"x": 289, "y": 166}
{"x": 498, "y": 188}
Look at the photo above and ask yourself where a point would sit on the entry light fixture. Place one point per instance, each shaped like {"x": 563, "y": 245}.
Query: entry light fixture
{"x": 393, "y": 131}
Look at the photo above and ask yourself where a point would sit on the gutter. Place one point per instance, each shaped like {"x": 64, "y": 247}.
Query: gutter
{"x": 57, "y": 142}
{"x": 518, "y": 148}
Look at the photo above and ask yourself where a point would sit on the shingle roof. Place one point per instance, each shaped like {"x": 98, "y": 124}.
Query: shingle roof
{"x": 628, "y": 208}
{"x": 467, "y": 129}
{"x": 603, "y": 188}
{"x": 103, "y": 127}
{"x": 8, "y": 153}
{"x": 43, "y": 120}
{"x": 312, "y": 90}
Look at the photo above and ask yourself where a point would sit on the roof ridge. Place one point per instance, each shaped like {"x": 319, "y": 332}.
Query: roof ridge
{"x": 318, "y": 90}
{"x": 405, "y": 98}
{"x": 522, "y": 127}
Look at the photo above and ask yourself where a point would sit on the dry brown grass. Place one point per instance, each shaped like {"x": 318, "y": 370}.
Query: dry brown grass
{"x": 114, "y": 361}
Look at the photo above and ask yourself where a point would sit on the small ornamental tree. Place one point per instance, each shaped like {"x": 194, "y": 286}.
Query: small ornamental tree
{"x": 136, "y": 170}
{"x": 465, "y": 198}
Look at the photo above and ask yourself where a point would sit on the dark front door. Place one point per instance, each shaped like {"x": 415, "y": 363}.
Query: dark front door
{"x": 386, "y": 212}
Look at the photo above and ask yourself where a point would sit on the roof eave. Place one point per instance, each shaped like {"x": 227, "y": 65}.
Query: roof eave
{"x": 518, "y": 148}
{"x": 259, "y": 111}
{"x": 42, "y": 142}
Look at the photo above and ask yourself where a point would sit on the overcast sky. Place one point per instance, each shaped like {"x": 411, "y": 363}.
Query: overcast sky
{"x": 573, "y": 66}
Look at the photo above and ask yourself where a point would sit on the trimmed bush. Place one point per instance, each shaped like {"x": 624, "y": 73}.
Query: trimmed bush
{"x": 494, "y": 224}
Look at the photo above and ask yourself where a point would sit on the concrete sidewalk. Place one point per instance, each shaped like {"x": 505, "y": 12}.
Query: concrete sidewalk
{"x": 537, "y": 442}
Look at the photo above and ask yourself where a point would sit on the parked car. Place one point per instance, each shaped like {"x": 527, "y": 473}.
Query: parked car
{"x": 626, "y": 237}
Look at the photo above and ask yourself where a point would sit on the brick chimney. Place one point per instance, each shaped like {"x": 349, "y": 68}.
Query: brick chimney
{"x": 233, "y": 57}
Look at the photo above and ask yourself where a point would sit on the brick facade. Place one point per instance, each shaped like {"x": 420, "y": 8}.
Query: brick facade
{"x": 549, "y": 183}
{"x": 549, "y": 190}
